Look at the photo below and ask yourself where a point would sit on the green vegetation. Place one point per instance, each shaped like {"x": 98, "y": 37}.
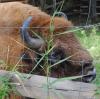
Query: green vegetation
{"x": 91, "y": 41}
{"x": 89, "y": 38}
{"x": 5, "y": 88}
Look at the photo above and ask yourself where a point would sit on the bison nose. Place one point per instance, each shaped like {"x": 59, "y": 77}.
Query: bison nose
{"x": 90, "y": 76}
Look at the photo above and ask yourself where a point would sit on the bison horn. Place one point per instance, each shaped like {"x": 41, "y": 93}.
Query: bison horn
{"x": 61, "y": 14}
{"x": 33, "y": 43}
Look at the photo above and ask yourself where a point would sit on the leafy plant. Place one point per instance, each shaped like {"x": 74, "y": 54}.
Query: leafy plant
{"x": 91, "y": 42}
{"x": 4, "y": 88}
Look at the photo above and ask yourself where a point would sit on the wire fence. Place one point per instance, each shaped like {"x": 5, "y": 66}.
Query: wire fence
{"x": 76, "y": 28}
{"x": 42, "y": 67}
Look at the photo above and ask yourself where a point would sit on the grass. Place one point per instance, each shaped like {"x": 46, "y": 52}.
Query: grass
{"x": 90, "y": 39}
{"x": 90, "y": 42}
{"x": 5, "y": 88}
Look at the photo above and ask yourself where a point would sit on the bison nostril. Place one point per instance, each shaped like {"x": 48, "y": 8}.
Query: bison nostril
{"x": 91, "y": 75}
{"x": 87, "y": 65}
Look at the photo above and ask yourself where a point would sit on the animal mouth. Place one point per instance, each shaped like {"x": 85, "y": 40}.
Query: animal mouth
{"x": 88, "y": 74}
{"x": 91, "y": 75}
{"x": 87, "y": 77}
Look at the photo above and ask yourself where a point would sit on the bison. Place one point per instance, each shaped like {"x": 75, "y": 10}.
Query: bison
{"x": 21, "y": 49}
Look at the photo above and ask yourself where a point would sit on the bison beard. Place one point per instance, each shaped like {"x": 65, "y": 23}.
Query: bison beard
{"x": 16, "y": 14}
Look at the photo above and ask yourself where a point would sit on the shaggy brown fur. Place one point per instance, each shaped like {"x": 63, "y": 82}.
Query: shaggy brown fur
{"x": 12, "y": 16}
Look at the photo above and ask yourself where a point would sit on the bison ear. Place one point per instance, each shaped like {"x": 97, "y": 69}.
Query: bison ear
{"x": 61, "y": 14}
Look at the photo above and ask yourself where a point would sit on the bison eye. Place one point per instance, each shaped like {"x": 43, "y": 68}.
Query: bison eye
{"x": 54, "y": 57}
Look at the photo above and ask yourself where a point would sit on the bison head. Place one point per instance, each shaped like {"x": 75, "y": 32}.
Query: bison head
{"x": 79, "y": 61}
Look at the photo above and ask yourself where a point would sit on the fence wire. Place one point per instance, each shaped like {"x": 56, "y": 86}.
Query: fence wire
{"x": 76, "y": 28}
